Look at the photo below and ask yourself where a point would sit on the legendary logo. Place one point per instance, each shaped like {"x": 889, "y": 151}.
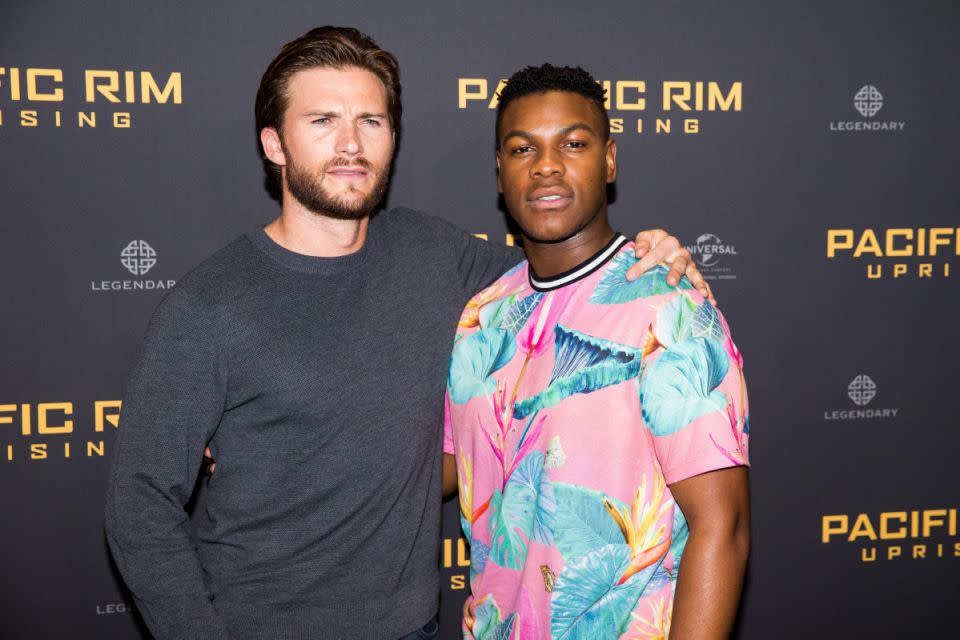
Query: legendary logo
{"x": 934, "y": 245}
{"x": 676, "y": 105}
{"x": 861, "y": 390}
{"x": 867, "y": 101}
{"x": 138, "y": 257}
{"x": 709, "y": 252}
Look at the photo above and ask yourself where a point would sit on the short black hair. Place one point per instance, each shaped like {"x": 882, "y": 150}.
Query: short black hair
{"x": 547, "y": 77}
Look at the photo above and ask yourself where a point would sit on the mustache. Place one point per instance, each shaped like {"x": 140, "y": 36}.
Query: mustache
{"x": 359, "y": 161}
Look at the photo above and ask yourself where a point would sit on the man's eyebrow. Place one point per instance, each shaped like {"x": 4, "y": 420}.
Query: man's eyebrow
{"x": 576, "y": 126}
{"x": 368, "y": 114}
{"x": 325, "y": 114}
{"x": 516, "y": 133}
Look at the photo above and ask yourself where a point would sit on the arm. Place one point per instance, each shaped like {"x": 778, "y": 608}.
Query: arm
{"x": 710, "y": 579}
{"x": 449, "y": 475}
{"x": 172, "y": 406}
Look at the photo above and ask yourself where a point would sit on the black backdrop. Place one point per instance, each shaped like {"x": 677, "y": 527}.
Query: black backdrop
{"x": 816, "y": 188}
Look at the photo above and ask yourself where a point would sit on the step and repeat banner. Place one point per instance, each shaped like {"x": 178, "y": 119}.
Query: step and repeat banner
{"x": 804, "y": 152}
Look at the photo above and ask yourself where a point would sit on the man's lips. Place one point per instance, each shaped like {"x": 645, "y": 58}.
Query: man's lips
{"x": 348, "y": 172}
{"x": 546, "y": 198}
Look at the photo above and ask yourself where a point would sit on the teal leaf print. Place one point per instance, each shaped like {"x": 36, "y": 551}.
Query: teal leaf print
{"x": 614, "y": 288}
{"x": 465, "y": 525}
{"x": 587, "y": 603}
{"x": 582, "y": 364}
{"x": 479, "y": 554}
{"x": 525, "y": 511}
{"x": 502, "y": 631}
{"x": 583, "y": 524}
{"x": 486, "y": 618}
{"x": 681, "y": 319}
{"x": 475, "y": 359}
{"x": 519, "y": 312}
{"x": 680, "y": 385}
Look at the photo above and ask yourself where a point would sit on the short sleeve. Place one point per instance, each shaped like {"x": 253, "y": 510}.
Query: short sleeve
{"x": 693, "y": 393}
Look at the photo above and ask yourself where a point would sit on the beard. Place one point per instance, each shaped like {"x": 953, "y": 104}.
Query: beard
{"x": 308, "y": 190}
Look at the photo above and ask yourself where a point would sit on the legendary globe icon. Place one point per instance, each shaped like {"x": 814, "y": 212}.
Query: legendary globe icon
{"x": 868, "y": 101}
{"x": 138, "y": 257}
{"x": 861, "y": 390}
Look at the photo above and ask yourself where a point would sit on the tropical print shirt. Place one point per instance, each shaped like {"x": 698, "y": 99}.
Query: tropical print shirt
{"x": 572, "y": 404}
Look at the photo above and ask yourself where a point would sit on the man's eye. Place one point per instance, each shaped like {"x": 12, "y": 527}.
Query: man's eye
{"x": 522, "y": 149}
{"x": 322, "y": 121}
{"x": 575, "y": 144}
{"x": 372, "y": 122}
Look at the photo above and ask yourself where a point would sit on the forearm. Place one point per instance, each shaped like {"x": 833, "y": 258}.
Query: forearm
{"x": 449, "y": 475}
{"x": 709, "y": 583}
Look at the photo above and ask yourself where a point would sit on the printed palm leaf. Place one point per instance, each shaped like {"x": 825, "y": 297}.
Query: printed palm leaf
{"x": 475, "y": 359}
{"x": 518, "y": 312}
{"x": 680, "y": 385}
{"x": 525, "y": 511}
{"x": 681, "y": 319}
{"x": 587, "y": 603}
{"x": 583, "y": 524}
{"x": 614, "y": 288}
{"x": 582, "y": 364}
{"x": 487, "y": 624}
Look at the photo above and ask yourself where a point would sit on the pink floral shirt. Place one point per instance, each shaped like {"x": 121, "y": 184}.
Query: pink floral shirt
{"x": 573, "y": 403}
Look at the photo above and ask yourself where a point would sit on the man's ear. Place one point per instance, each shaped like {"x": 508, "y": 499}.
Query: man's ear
{"x": 611, "y": 160}
{"x": 272, "y": 147}
{"x": 499, "y": 184}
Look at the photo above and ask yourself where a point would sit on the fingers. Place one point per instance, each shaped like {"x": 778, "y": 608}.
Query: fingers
{"x": 209, "y": 464}
{"x": 699, "y": 283}
{"x": 658, "y": 247}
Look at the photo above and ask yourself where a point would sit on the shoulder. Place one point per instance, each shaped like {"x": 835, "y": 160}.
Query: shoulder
{"x": 203, "y": 286}
{"x": 412, "y": 223}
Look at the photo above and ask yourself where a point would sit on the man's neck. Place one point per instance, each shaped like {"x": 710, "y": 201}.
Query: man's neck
{"x": 311, "y": 234}
{"x": 550, "y": 259}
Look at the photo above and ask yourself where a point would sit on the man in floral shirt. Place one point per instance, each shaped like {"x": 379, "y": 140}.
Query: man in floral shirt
{"x": 599, "y": 426}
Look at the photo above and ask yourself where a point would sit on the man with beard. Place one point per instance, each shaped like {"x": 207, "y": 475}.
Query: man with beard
{"x": 309, "y": 355}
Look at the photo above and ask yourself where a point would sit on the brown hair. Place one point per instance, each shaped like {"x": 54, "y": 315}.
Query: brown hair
{"x": 335, "y": 47}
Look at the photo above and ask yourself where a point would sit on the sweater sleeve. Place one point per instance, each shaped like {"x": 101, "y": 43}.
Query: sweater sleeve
{"x": 172, "y": 406}
{"x": 481, "y": 262}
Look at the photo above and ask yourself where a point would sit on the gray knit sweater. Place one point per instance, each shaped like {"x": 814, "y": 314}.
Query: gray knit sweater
{"x": 318, "y": 384}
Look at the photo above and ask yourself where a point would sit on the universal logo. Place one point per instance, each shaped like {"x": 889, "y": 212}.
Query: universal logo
{"x": 138, "y": 257}
{"x": 861, "y": 391}
{"x": 712, "y": 256}
{"x": 868, "y": 101}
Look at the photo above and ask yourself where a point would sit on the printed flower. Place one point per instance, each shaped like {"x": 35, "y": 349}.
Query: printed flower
{"x": 657, "y": 627}
{"x": 642, "y": 529}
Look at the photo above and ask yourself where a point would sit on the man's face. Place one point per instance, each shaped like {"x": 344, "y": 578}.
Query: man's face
{"x": 554, "y": 164}
{"x": 337, "y": 142}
